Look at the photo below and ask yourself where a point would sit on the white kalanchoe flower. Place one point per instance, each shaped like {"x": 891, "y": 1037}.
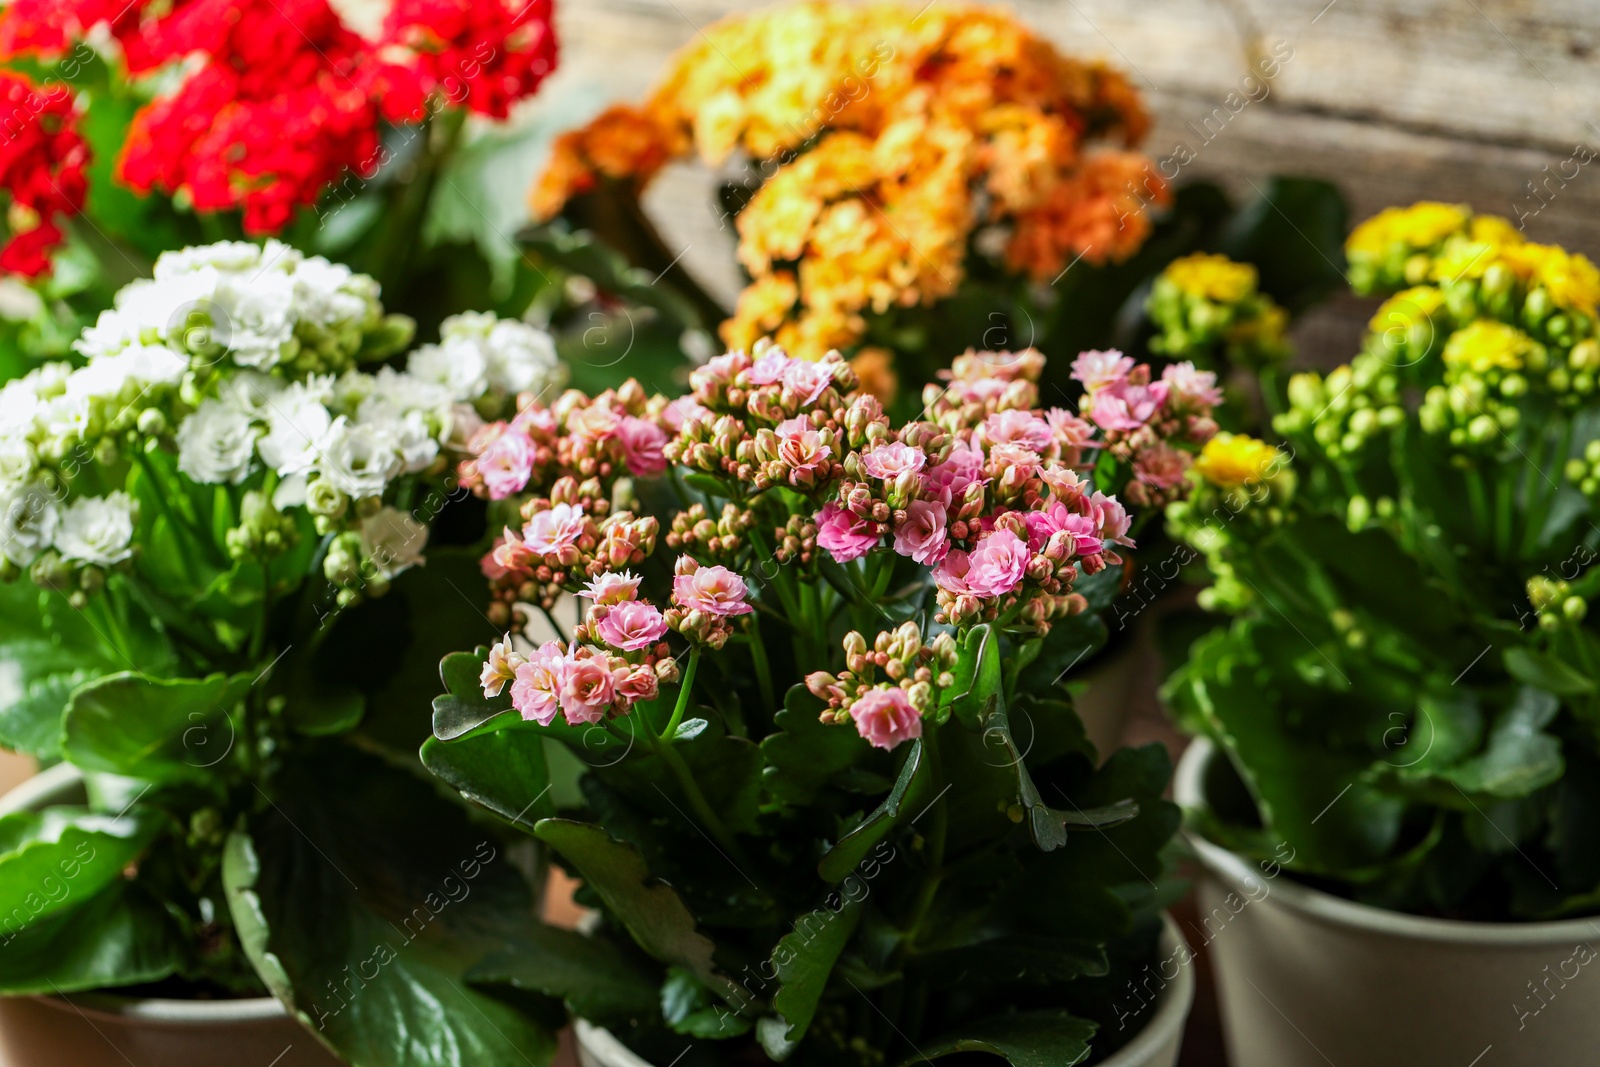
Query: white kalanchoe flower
{"x": 479, "y": 352}
{"x": 97, "y": 530}
{"x": 256, "y": 324}
{"x": 29, "y": 518}
{"x": 216, "y": 443}
{"x": 17, "y": 458}
{"x": 360, "y": 460}
{"x": 458, "y": 365}
{"x": 298, "y": 422}
{"x": 522, "y": 359}
{"x": 393, "y": 541}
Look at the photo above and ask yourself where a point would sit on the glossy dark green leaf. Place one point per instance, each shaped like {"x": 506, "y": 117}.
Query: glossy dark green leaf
{"x": 504, "y": 772}
{"x": 362, "y": 897}
{"x": 463, "y": 708}
{"x": 589, "y": 974}
{"x": 912, "y": 792}
{"x": 652, "y": 911}
{"x": 977, "y": 675}
{"x": 53, "y": 860}
{"x": 1520, "y": 756}
{"x": 804, "y": 959}
{"x": 116, "y": 937}
{"x": 802, "y": 753}
{"x": 161, "y": 730}
{"x": 47, "y": 649}
{"x": 1023, "y": 1039}
{"x": 689, "y": 1008}
{"x": 1547, "y": 672}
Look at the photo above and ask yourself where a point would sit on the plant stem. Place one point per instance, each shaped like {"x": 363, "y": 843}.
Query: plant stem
{"x": 758, "y": 652}
{"x": 683, "y": 696}
{"x": 936, "y": 839}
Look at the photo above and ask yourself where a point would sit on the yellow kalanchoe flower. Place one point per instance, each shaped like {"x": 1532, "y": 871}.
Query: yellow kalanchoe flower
{"x": 1571, "y": 280}
{"x": 1487, "y": 345}
{"x": 1212, "y": 277}
{"x": 1231, "y": 460}
{"x": 1422, "y": 225}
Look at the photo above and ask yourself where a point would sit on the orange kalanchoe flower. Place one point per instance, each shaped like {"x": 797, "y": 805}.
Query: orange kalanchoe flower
{"x": 885, "y": 137}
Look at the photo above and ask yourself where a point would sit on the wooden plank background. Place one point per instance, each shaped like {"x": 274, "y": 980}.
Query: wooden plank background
{"x": 1395, "y": 100}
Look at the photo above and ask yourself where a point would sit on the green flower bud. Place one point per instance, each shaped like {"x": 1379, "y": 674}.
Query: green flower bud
{"x": 323, "y": 499}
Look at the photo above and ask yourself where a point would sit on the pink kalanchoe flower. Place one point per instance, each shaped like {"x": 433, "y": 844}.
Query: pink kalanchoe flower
{"x": 1125, "y": 406}
{"x": 885, "y": 717}
{"x": 806, "y": 381}
{"x": 683, "y": 410}
{"x": 1016, "y": 463}
{"x": 597, "y": 422}
{"x": 639, "y": 684}
{"x": 845, "y": 535}
{"x": 510, "y": 553}
{"x": 1161, "y": 465}
{"x": 588, "y": 687}
{"x": 713, "y": 590}
{"x": 1191, "y": 388}
{"x": 1013, "y": 427}
{"x": 1112, "y": 519}
{"x": 536, "y": 691}
{"x": 802, "y": 449}
{"x": 500, "y": 668}
{"x": 998, "y": 564}
{"x": 536, "y": 420}
{"x": 643, "y": 444}
{"x": 923, "y": 535}
{"x": 949, "y": 480}
{"x": 612, "y": 588}
{"x": 889, "y": 461}
{"x": 1056, "y": 518}
{"x": 951, "y": 574}
{"x": 769, "y": 369}
{"x": 1067, "y": 484}
{"x": 1097, "y": 370}
{"x": 631, "y": 625}
{"x": 1071, "y": 432}
{"x": 505, "y": 458}
{"x": 555, "y": 531}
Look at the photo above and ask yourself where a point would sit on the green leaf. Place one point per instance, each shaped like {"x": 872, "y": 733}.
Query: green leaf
{"x": 689, "y": 729}
{"x": 1547, "y": 672}
{"x": 589, "y": 974}
{"x": 1024, "y": 1039}
{"x": 803, "y": 961}
{"x": 906, "y": 801}
{"x": 463, "y": 708}
{"x": 363, "y": 898}
{"x": 55, "y": 859}
{"x": 977, "y": 675}
{"x": 504, "y": 772}
{"x": 160, "y": 730}
{"x": 48, "y": 649}
{"x": 689, "y": 1009}
{"x": 1520, "y": 757}
{"x": 650, "y": 910}
{"x": 727, "y": 770}
{"x": 1031, "y": 959}
{"x": 802, "y": 754}
{"x": 117, "y": 937}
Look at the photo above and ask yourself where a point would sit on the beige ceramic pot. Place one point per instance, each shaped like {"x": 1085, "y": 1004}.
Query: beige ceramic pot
{"x": 1156, "y": 1046}
{"x": 1307, "y": 979}
{"x": 106, "y": 1030}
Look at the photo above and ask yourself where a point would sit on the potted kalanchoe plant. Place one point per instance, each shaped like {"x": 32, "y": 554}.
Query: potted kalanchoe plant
{"x": 808, "y": 746}
{"x": 211, "y": 535}
{"x": 1397, "y": 793}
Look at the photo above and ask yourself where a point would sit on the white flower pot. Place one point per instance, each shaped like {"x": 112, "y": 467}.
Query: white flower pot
{"x": 1156, "y": 1046}
{"x": 1307, "y": 979}
{"x": 107, "y": 1030}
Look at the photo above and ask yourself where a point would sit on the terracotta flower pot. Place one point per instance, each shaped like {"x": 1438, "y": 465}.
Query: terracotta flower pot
{"x": 1157, "y": 1045}
{"x": 104, "y": 1029}
{"x": 1307, "y": 979}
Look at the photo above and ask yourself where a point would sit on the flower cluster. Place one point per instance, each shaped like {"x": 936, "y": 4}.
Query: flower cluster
{"x": 1487, "y": 327}
{"x": 241, "y": 363}
{"x": 1239, "y": 485}
{"x": 886, "y": 138}
{"x": 273, "y": 101}
{"x": 616, "y": 659}
{"x": 42, "y": 162}
{"x": 888, "y": 712}
{"x": 619, "y": 433}
{"x": 1208, "y": 309}
{"x": 765, "y": 419}
{"x": 704, "y": 601}
{"x": 1153, "y": 425}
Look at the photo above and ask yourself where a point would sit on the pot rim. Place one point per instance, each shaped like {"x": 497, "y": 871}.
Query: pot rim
{"x": 1243, "y": 875}
{"x": 1172, "y": 1012}
{"x": 55, "y": 785}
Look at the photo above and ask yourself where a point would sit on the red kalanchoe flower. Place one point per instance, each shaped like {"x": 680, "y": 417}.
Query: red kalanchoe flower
{"x": 42, "y": 157}
{"x": 486, "y": 54}
{"x": 48, "y": 27}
